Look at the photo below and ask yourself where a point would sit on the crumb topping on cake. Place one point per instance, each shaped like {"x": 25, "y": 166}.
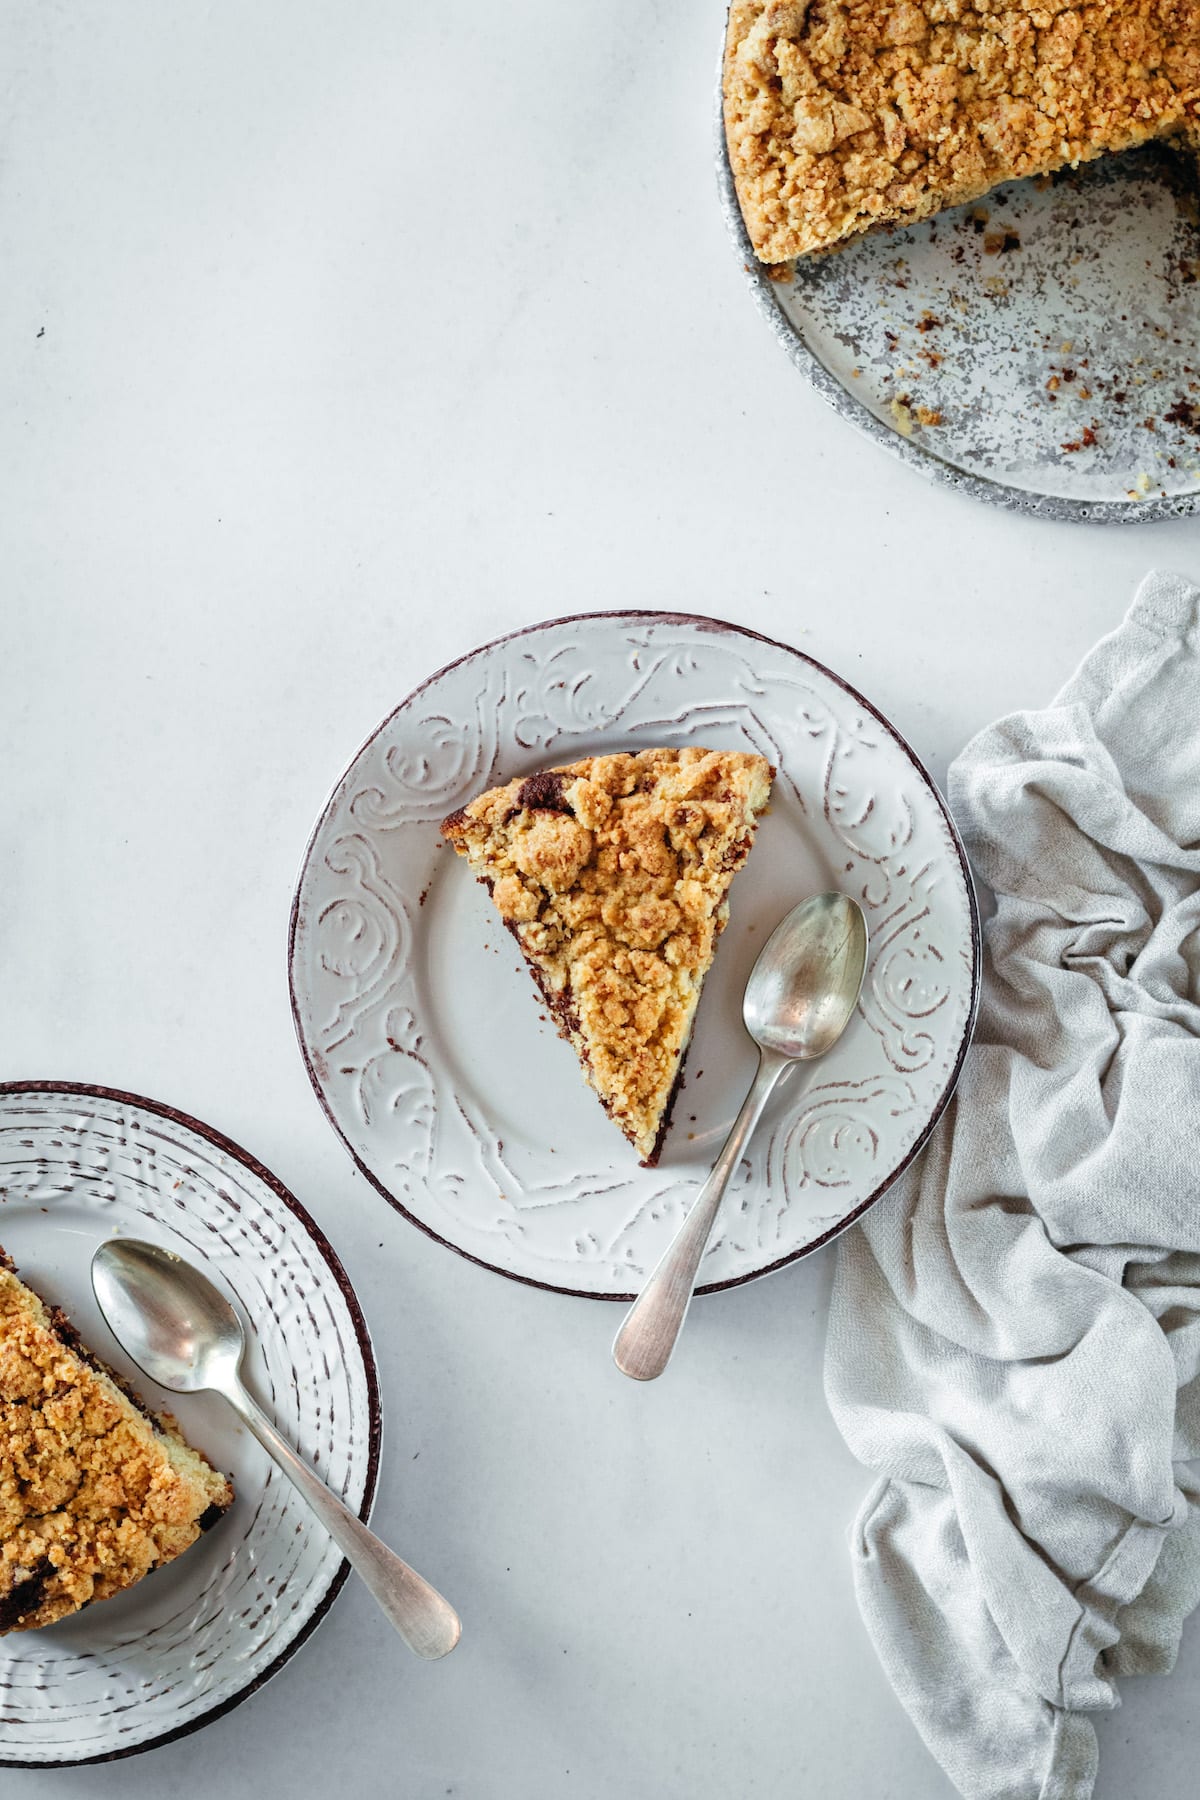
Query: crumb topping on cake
{"x": 613, "y": 873}
{"x": 840, "y": 116}
{"x": 94, "y": 1491}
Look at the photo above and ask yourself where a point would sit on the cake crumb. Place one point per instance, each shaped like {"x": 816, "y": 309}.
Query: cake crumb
{"x": 902, "y": 413}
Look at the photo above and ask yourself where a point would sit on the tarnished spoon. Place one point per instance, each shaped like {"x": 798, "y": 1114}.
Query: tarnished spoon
{"x": 799, "y": 999}
{"x": 184, "y": 1334}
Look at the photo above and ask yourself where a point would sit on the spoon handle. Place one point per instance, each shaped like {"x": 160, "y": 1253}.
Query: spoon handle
{"x": 428, "y": 1624}
{"x": 649, "y": 1331}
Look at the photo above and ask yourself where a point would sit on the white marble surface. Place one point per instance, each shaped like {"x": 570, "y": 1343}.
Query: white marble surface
{"x": 336, "y": 339}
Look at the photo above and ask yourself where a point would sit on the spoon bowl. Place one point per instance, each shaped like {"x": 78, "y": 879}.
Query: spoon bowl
{"x": 170, "y": 1318}
{"x": 806, "y": 981}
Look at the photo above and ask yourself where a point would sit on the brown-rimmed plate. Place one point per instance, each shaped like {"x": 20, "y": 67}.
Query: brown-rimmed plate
{"x": 78, "y": 1164}
{"x": 423, "y": 1036}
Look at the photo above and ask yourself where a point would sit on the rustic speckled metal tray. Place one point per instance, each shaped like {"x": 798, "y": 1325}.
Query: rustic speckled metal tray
{"x": 1039, "y": 349}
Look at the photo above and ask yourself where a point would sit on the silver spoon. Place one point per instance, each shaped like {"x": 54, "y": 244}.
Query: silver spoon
{"x": 184, "y": 1334}
{"x": 799, "y": 999}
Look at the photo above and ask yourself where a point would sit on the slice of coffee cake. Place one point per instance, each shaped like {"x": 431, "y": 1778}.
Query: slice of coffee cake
{"x": 612, "y": 874}
{"x": 95, "y": 1490}
{"x": 841, "y": 115}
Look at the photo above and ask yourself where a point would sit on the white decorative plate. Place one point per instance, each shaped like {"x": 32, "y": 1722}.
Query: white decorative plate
{"x": 425, "y": 1038}
{"x": 77, "y": 1165}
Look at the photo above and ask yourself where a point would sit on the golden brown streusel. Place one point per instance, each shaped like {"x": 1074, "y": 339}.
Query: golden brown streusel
{"x": 844, "y": 114}
{"x": 613, "y": 875}
{"x": 93, "y": 1493}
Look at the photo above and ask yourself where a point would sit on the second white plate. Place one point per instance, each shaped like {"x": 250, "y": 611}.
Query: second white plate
{"x": 78, "y": 1164}
{"x": 423, "y": 1034}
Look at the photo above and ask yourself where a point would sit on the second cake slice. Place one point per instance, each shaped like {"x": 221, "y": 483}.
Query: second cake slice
{"x": 613, "y": 875}
{"x": 95, "y": 1489}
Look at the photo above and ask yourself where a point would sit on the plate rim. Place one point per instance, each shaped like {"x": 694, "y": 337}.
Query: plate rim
{"x": 925, "y": 461}
{"x": 706, "y": 622}
{"x": 374, "y": 1404}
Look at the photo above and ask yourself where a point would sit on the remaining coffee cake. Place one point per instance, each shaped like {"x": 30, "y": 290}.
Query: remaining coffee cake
{"x": 612, "y": 874}
{"x": 844, "y": 114}
{"x": 95, "y": 1491}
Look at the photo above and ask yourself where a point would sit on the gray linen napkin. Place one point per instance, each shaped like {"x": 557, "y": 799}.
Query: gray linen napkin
{"x": 1014, "y": 1337}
